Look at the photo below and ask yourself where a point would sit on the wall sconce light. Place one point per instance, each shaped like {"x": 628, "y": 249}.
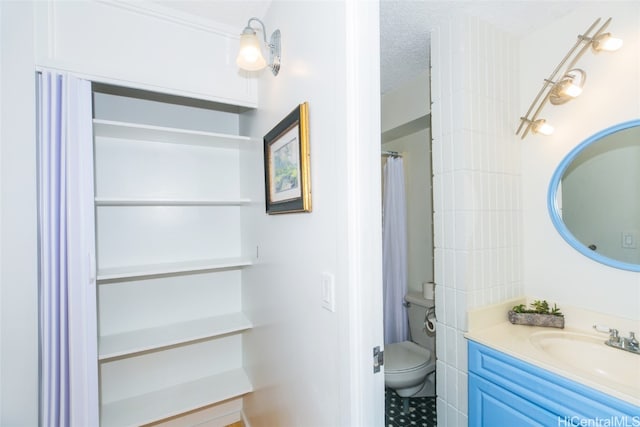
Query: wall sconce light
{"x": 556, "y": 90}
{"x": 250, "y": 55}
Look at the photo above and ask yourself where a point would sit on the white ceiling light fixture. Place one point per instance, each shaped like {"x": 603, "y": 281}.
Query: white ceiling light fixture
{"x": 250, "y": 55}
{"x": 570, "y": 85}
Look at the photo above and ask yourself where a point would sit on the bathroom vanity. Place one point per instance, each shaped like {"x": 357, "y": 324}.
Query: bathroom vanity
{"x": 504, "y": 390}
{"x": 535, "y": 376}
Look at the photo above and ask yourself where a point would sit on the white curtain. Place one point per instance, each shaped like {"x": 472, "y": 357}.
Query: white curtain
{"x": 68, "y": 333}
{"x": 394, "y": 251}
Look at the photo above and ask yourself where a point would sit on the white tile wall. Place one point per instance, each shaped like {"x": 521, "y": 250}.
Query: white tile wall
{"x": 477, "y": 203}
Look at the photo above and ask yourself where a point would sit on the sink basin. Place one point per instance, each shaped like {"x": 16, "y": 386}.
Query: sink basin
{"x": 589, "y": 354}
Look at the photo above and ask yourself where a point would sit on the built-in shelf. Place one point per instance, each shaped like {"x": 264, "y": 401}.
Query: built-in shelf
{"x": 113, "y": 201}
{"x": 141, "y": 132}
{"x": 176, "y": 400}
{"x": 129, "y": 343}
{"x": 174, "y": 365}
{"x": 132, "y": 272}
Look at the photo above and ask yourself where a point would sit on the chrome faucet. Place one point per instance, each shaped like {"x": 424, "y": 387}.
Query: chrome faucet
{"x": 629, "y": 344}
{"x": 632, "y": 343}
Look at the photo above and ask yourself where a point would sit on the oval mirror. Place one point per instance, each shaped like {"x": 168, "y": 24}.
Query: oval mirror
{"x": 594, "y": 197}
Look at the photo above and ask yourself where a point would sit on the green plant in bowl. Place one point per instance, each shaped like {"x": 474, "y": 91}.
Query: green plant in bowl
{"x": 538, "y": 307}
{"x": 539, "y": 314}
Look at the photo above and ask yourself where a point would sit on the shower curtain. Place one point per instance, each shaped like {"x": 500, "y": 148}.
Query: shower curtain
{"x": 394, "y": 251}
{"x": 67, "y": 293}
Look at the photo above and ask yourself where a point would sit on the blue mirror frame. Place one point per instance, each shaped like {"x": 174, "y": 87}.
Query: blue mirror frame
{"x": 552, "y": 202}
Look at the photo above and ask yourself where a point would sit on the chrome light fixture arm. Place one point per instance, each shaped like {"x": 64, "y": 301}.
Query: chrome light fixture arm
{"x": 528, "y": 120}
{"x": 264, "y": 30}
{"x": 553, "y": 87}
{"x": 588, "y": 41}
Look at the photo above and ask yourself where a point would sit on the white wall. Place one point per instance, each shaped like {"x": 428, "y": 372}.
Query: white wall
{"x": 406, "y": 103}
{"x": 476, "y": 165}
{"x": 142, "y": 44}
{"x": 552, "y": 269}
{"x": 18, "y": 250}
{"x": 307, "y": 364}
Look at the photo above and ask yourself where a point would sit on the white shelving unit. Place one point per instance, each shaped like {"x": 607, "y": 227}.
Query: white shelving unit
{"x": 130, "y": 343}
{"x": 173, "y": 401}
{"x": 142, "y": 132}
{"x": 169, "y": 267}
{"x": 140, "y": 271}
{"x": 104, "y": 201}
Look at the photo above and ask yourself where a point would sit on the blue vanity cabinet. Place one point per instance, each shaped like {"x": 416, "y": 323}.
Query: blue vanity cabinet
{"x": 505, "y": 391}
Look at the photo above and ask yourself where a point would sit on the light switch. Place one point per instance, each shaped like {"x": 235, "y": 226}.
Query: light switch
{"x": 629, "y": 240}
{"x": 328, "y": 291}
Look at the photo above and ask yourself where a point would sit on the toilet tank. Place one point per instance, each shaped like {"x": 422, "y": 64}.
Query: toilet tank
{"x": 417, "y": 312}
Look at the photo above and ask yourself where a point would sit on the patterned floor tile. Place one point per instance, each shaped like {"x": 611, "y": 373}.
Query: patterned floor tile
{"x": 422, "y": 411}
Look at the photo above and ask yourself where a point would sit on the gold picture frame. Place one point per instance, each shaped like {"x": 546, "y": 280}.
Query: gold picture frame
{"x": 287, "y": 164}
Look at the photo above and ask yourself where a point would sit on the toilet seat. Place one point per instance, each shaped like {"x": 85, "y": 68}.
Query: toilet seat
{"x": 405, "y": 357}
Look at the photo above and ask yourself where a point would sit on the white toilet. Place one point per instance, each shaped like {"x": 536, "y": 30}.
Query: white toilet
{"x": 410, "y": 366}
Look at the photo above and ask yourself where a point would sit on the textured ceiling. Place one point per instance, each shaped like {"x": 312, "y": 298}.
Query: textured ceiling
{"x": 405, "y": 28}
{"x": 404, "y": 24}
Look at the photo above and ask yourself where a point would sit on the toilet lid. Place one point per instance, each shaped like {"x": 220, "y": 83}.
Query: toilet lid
{"x": 404, "y": 356}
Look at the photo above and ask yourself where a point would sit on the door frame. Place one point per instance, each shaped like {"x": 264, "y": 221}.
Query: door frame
{"x": 362, "y": 36}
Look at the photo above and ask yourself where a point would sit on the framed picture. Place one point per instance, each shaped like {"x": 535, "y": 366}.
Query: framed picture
{"x": 286, "y": 164}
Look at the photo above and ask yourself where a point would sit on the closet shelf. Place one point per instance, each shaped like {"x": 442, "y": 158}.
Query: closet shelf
{"x": 176, "y": 400}
{"x": 132, "y": 272}
{"x": 133, "y": 342}
{"x": 113, "y": 201}
{"x": 142, "y": 132}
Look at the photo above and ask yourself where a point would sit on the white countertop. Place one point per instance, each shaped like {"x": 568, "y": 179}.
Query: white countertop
{"x": 489, "y": 326}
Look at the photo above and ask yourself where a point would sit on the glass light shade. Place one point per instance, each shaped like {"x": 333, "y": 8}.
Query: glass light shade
{"x": 569, "y": 87}
{"x": 572, "y": 90}
{"x": 250, "y": 56}
{"x": 541, "y": 126}
{"x": 608, "y": 43}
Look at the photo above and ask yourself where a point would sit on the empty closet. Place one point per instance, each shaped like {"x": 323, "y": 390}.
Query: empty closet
{"x": 170, "y": 253}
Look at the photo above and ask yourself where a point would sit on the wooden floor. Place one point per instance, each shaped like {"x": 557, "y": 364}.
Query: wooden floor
{"x": 236, "y": 424}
